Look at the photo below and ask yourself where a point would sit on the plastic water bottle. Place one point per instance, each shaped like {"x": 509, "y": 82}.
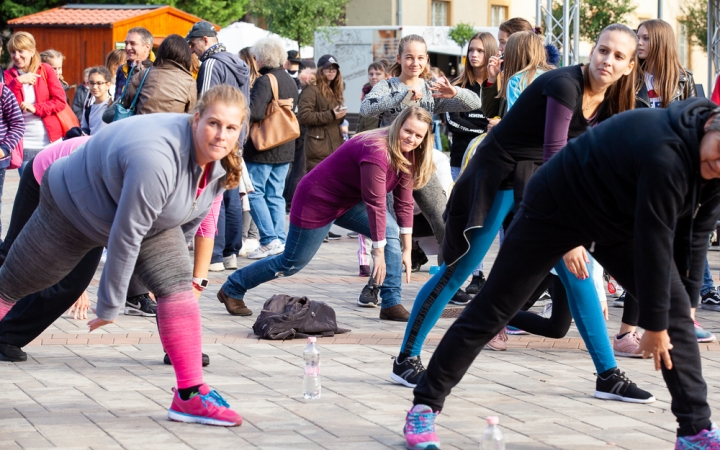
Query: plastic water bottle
{"x": 434, "y": 269}
{"x": 311, "y": 381}
{"x": 492, "y": 438}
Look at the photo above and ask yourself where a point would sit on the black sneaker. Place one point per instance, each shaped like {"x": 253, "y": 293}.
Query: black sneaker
{"x": 619, "y": 387}
{"x": 205, "y": 360}
{"x": 417, "y": 257}
{"x": 408, "y": 372}
{"x": 12, "y": 353}
{"x": 711, "y": 300}
{"x": 369, "y": 296}
{"x": 461, "y": 298}
{"x": 477, "y": 282}
{"x": 620, "y": 301}
{"x": 140, "y": 305}
{"x": 332, "y": 236}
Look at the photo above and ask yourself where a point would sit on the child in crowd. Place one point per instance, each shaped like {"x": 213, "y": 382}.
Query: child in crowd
{"x": 99, "y": 81}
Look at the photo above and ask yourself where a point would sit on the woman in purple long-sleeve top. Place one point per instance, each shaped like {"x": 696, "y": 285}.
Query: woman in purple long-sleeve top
{"x": 349, "y": 188}
{"x": 12, "y": 128}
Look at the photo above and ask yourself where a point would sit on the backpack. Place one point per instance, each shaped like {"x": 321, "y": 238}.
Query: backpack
{"x": 285, "y": 317}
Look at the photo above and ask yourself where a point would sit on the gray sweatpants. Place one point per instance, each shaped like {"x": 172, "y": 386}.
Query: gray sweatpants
{"x": 36, "y": 261}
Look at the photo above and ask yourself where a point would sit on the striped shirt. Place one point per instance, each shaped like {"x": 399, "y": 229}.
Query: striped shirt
{"x": 12, "y": 125}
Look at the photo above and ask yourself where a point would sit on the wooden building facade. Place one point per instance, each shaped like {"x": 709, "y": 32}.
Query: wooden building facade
{"x": 86, "y": 33}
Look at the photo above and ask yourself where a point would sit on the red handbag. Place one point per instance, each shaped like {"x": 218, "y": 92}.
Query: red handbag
{"x": 65, "y": 116}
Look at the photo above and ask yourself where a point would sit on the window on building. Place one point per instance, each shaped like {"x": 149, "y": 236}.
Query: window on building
{"x": 498, "y": 15}
{"x": 683, "y": 45}
{"x": 439, "y": 16}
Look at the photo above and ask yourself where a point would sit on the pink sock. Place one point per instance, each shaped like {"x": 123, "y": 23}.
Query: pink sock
{"x": 181, "y": 335}
{"x": 5, "y": 308}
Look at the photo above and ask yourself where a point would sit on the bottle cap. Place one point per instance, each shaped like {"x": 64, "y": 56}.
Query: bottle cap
{"x": 493, "y": 420}
{"x": 312, "y": 339}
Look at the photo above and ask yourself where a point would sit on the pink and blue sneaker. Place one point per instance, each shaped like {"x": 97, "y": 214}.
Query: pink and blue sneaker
{"x": 514, "y": 331}
{"x": 420, "y": 429}
{"x": 206, "y": 407}
{"x": 705, "y": 440}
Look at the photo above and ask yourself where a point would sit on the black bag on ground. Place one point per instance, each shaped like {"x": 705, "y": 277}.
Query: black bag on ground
{"x": 285, "y": 317}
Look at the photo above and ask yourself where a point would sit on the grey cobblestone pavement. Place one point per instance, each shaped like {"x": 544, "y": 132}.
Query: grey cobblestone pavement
{"x": 110, "y": 389}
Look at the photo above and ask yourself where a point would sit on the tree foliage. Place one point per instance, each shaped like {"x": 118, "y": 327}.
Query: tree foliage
{"x": 299, "y": 19}
{"x": 695, "y": 12}
{"x": 461, "y": 33}
{"x": 595, "y": 15}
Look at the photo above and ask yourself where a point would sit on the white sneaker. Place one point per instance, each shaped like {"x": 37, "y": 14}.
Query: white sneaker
{"x": 275, "y": 247}
{"x": 217, "y": 267}
{"x": 230, "y": 262}
{"x": 546, "y": 312}
{"x": 249, "y": 245}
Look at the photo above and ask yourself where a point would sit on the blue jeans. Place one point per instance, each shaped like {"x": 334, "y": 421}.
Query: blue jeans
{"x": 303, "y": 243}
{"x": 708, "y": 283}
{"x": 436, "y": 129}
{"x": 267, "y": 204}
{"x": 228, "y": 239}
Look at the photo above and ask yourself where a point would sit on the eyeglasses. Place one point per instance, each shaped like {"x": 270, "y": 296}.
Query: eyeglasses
{"x": 331, "y": 69}
{"x": 99, "y": 83}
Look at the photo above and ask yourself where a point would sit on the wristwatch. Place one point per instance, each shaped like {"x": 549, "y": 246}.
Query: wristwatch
{"x": 202, "y": 282}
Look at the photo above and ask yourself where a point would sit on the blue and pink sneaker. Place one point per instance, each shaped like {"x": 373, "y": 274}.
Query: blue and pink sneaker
{"x": 206, "y": 407}
{"x": 420, "y": 429}
{"x": 705, "y": 440}
{"x": 513, "y": 331}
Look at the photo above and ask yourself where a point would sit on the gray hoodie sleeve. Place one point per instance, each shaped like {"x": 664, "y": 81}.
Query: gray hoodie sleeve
{"x": 464, "y": 100}
{"x": 383, "y": 97}
{"x": 139, "y": 205}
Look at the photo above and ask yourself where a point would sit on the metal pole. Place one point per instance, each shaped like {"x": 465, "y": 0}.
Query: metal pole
{"x": 399, "y": 12}
{"x": 548, "y": 22}
{"x": 566, "y": 33}
{"x": 710, "y": 50}
{"x": 576, "y": 33}
{"x": 660, "y": 9}
{"x": 538, "y": 13}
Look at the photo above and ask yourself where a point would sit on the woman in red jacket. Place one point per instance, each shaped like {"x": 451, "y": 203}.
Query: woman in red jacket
{"x": 39, "y": 93}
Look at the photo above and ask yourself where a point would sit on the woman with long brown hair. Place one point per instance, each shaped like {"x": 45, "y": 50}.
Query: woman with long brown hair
{"x": 321, "y": 109}
{"x": 246, "y": 55}
{"x": 349, "y": 188}
{"x": 558, "y": 106}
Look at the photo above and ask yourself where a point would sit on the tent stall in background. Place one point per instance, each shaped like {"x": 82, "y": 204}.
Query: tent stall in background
{"x": 239, "y": 35}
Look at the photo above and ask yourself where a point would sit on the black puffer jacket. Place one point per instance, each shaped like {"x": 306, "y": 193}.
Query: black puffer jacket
{"x": 260, "y": 98}
{"x": 686, "y": 89}
{"x": 464, "y": 126}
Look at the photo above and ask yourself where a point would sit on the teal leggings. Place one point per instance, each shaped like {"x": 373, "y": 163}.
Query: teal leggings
{"x": 437, "y": 292}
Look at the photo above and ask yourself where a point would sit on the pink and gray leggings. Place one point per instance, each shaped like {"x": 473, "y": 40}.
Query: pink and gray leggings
{"x": 36, "y": 262}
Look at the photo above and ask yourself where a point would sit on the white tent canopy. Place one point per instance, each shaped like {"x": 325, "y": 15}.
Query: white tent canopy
{"x": 239, "y": 35}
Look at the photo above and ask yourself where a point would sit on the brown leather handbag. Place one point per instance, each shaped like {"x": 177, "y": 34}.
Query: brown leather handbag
{"x": 279, "y": 125}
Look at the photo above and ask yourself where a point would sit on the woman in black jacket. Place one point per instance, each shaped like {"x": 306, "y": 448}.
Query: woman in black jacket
{"x": 268, "y": 169}
{"x": 466, "y": 126}
{"x": 641, "y": 192}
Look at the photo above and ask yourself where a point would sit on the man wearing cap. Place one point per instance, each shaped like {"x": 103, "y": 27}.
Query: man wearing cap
{"x": 292, "y": 66}
{"x": 218, "y": 66}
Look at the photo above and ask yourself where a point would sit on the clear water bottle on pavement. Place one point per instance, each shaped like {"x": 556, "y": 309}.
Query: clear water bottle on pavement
{"x": 492, "y": 438}
{"x": 311, "y": 381}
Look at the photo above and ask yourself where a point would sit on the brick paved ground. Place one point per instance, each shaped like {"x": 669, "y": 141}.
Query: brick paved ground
{"x": 109, "y": 389}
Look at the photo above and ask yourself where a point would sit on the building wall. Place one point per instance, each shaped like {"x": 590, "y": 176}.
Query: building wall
{"x": 371, "y": 12}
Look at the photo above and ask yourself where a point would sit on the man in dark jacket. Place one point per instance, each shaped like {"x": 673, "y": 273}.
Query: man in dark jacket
{"x": 641, "y": 192}
{"x": 138, "y": 48}
{"x": 218, "y": 66}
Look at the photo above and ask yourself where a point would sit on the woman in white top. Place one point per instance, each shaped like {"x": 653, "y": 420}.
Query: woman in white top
{"x": 39, "y": 93}
{"x": 99, "y": 81}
